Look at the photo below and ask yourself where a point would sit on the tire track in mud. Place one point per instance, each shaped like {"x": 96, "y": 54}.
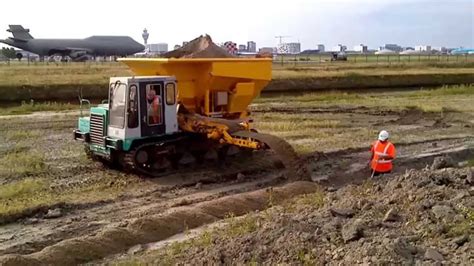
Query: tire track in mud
{"x": 156, "y": 227}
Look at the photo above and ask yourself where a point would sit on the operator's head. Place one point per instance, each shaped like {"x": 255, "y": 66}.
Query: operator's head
{"x": 383, "y": 135}
{"x": 151, "y": 94}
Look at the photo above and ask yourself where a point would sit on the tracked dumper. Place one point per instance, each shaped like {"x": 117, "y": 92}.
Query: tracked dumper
{"x": 177, "y": 112}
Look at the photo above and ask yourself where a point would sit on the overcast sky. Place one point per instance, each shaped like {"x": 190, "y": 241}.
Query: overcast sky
{"x": 372, "y": 22}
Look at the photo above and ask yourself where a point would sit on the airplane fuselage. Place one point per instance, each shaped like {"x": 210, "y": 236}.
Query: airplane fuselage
{"x": 94, "y": 46}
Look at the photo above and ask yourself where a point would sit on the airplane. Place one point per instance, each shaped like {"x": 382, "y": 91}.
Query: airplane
{"x": 462, "y": 51}
{"x": 76, "y": 49}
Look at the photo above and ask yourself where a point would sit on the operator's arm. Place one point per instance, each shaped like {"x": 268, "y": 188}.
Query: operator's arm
{"x": 371, "y": 154}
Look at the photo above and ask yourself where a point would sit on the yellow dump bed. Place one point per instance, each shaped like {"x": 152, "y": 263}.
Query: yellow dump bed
{"x": 204, "y": 84}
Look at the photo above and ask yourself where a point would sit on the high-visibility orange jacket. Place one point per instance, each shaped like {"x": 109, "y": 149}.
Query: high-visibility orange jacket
{"x": 154, "y": 111}
{"x": 382, "y": 148}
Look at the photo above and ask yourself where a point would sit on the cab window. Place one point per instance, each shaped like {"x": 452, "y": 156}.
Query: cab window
{"x": 132, "y": 110}
{"x": 154, "y": 104}
{"x": 117, "y": 104}
{"x": 170, "y": 94}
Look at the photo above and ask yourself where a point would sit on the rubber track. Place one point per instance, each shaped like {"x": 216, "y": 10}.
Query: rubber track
{"x": 132, "y": 166}
{"x": 295, "y": 166}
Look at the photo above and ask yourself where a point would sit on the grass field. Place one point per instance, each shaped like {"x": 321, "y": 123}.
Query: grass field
{"x": 359, "y": 58}
{"x": 20, "y": 74}
{"x": 40, "y": 164}
{"x": 338, "y": 120}
{"x": 64, "y": 82}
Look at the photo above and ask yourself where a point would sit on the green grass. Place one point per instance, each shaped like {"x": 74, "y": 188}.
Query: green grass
{"x": 52, "y": 74}
{"x": 22, "y": 188}
{"x": 240, "y": 226}
{"x": 427, "y": 100}
{"x": 24, "y": 194}
{"x": 470, "y": 162}
{"x": 324, "y": 59}
{"x": 340, "y": 120}
{"x": 20, "y": 162}
{"x": 28, "y": 108}
{"x": 28, "y": 181}
{"x": 98, "y": 73}
{"x": 28, "y": 193}
{"x": 315, "y": 200}
{"x": 62, "y": 81}
{"x": 16, "y": 136}
{"x": 445, "y": 91}
{"x": 464, "y": 226}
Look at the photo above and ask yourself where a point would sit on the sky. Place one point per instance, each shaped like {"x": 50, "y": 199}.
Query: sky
{"x": 448, "y": 23}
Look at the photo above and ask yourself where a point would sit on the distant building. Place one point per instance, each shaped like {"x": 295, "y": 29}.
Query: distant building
{"x": 310, "y": 52}
{"x": 289, "y": 48}
{"x": 157, "y": 48}
{"x": 385, "y": 52}
{"x": 391, "y": 47}
{"x": 339, "y": 48}
{"x": 321, "y": 48}
{"x": 423, "y": 48}
{"x": 294, "y": 47}
{"x": 361, "y": 48}
{"x": 266, "y": 50}
{"x": 251, "y": 47}
{"x": 410, "y": 52}
{"x": 231, "y": 47}
{"x": 242, "y": 48}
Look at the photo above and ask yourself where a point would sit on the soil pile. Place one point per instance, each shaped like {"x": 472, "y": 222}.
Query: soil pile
{"x": 420, "y": 217}
{"x": 201, "y": 47}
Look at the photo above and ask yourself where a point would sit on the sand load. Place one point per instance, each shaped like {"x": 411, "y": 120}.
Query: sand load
{"x": 201, "y": 47}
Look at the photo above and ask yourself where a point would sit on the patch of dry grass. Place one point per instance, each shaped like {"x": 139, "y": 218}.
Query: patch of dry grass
{"x": 20, "y": 135}
{"x": 19, "y": 162}
{"x": 51, "y": 74}
{"x": 28, "y": 108}
{"x": 33, "y": 192}
{"x": 99, "y": 73}
{"x": 361, "y": 72}
{"x": 455, "y": 97}
{"x": 337, "y": 120}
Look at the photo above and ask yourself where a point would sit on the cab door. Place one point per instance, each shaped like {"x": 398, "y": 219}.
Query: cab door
{"x": 152, "y": 108}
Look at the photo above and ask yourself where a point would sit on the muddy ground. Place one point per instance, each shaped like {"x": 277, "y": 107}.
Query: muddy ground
{"x": 421, "y": 217}
{"x": 56, "y": 203}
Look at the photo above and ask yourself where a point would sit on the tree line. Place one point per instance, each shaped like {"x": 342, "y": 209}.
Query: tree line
{"x": 8, "y": 52}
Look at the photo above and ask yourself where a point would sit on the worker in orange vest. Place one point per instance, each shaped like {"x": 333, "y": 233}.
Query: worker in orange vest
{"x": 154, "y": 107}
{"x": 382, "y": 154}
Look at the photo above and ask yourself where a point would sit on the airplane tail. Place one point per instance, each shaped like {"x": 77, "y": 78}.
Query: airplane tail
{"x": 20, "y": 33}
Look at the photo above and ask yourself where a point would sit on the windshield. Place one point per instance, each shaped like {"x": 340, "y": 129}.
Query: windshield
{"x": 117, "y": 104}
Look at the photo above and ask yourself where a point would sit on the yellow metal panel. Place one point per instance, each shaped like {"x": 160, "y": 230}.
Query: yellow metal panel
{"x": 260, "y": 70}
{"x": 241, "y": 97}
{"x": 197, "y": 76}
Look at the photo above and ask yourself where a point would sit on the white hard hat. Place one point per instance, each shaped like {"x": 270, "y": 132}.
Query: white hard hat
{"x": 383, "y": 135}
